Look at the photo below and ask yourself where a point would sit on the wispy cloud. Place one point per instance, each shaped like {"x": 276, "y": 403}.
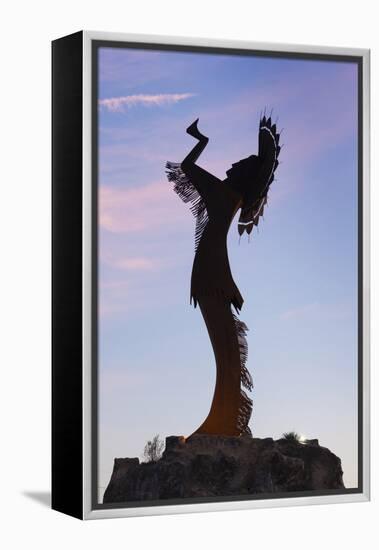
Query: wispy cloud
{"x": 300, "y": 312}
{"x": 119, "y": 104}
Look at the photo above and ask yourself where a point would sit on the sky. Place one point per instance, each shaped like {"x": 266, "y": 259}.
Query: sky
{"x": 298, "y": 273}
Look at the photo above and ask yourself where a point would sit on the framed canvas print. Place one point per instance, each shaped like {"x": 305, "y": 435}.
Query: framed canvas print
{"x": 210, "y": 275}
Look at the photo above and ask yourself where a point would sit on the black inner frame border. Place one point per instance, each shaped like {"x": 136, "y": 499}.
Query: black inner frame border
{"x": 95, "y": 46}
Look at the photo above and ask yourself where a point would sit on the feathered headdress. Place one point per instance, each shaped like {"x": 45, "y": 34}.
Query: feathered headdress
{"x": 268, "y": 152}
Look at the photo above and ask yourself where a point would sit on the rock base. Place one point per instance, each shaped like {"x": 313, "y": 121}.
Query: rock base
{"x": 214, "y": 466}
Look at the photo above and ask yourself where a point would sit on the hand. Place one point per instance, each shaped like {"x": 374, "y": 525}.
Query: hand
{"x": 193, "y": 131}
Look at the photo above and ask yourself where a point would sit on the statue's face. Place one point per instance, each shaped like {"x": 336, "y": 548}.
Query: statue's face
{"x": 234, "y": 170}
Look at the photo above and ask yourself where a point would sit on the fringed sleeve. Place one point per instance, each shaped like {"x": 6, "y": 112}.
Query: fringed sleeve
{"x": 186, "y": 190}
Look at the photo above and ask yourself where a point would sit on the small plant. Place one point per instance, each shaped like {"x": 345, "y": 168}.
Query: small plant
{"x": 153, "y": 449}
{"x": 292, "y": 436}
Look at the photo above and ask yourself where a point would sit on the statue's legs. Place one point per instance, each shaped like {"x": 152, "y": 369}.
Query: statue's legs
{"x": 230, "y": 410}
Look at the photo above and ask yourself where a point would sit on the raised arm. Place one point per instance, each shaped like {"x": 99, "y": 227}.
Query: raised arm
{"x": 202, "y": 180}
{"x": 193, "y": 155}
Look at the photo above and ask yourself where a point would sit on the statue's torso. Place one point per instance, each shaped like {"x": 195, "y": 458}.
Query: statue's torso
{"x": 211, "y": 274}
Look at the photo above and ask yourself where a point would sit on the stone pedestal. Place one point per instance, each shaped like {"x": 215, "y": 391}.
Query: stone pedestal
{"x": 208, "y": 466}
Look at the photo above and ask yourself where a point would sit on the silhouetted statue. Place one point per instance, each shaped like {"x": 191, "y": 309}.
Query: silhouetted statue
{"x": 214, "y": 204}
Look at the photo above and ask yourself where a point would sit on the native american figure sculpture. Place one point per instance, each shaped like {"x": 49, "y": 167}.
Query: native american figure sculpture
{"x": 214, "y": 205}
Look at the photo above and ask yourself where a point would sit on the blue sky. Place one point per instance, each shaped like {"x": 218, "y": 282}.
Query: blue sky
{"x": 298, "y": 275}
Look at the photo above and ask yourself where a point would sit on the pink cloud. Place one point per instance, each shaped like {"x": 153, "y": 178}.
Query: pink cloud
{"x": 118, "y": 104}
{"x": 136, "y": 209}
{"x": 133, "y": 264}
